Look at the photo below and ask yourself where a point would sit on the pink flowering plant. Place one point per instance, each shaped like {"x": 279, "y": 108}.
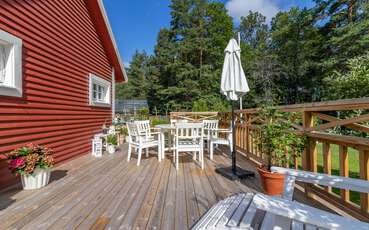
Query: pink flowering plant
{"x": 24, "y": 160}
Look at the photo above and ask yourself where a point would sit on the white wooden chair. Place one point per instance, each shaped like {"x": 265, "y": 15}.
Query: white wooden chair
{"x": 210, "y": 131}
{"x": 189, "y": 138}
{"x": 139, "y": 140}
{"x": 145, "y": 128}
{"x": 316, "y": 218}
{"x": 173, "y": 122}
{"x": 217, "y": 140}
{"x": 240, "y": 211}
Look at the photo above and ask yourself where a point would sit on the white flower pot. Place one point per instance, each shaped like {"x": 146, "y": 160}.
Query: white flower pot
{"x": 111, "y": 149}
{"x": 38, "y": 179}
{"x": 127, "y": 139}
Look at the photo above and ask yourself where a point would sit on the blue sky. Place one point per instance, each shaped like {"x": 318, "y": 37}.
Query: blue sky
{"x": 135, "y": 23}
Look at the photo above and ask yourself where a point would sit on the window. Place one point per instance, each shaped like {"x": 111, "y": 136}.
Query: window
{"x": 10, "y": 65}
{"x": 99, "y": 91}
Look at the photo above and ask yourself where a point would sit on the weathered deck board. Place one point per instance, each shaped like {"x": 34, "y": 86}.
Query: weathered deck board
{"x": 180, "y": 202}
{"x": 111, "y": 193}
{"x": 144, "y": 213}
{"x": 39, "y": 201}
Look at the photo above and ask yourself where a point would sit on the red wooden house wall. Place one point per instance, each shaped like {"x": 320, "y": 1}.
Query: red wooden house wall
{"x": 61, "y": 46}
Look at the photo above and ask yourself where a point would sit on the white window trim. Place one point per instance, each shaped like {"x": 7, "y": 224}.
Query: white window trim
{"x": 98, "y": 80}
{"x": 13, "y": 89}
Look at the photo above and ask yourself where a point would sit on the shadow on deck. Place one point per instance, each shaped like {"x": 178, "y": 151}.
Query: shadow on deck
{"x": 112, "y": 193}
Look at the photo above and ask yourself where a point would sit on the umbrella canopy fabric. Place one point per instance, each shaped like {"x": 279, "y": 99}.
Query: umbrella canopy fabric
{"x": 233, "y": 83}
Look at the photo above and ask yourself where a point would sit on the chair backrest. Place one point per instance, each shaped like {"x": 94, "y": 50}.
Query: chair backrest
{"x": 143, "y": 127}
{"x": 292, "y": 175}
{"x": 210, "y": 127}
{"x": 133, "y": 132}
{"x": 189, "y": 130}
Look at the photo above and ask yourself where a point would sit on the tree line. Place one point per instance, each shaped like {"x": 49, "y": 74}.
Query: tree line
{"x": 302, "y": 55}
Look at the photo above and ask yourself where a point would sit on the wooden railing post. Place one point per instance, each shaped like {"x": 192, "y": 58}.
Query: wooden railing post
{"x": 344, "y": 170}
{"x": 307, "y": 157}
{"x": 309, "y": 154}
{"x": 247, "y": 118}
{"x": 364, "y": 174}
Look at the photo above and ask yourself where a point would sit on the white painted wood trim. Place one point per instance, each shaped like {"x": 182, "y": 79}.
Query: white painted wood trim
{"x": 357, "y": 185}
{"x": 305, "y": 214}
{"x": 96, "y": 79}
{"x": 112, "y": 94}
{"x": 111, "y": 34}
{"x": 14, "y": 86}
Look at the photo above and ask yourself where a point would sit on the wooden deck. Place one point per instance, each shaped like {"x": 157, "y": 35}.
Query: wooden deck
{"x": 111, "y": 193}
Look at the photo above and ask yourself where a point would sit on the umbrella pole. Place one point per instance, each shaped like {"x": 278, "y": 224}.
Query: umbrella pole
{"x": 234, "y": 170}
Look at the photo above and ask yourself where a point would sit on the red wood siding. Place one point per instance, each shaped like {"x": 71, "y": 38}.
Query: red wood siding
{"x": 60, "y": 48}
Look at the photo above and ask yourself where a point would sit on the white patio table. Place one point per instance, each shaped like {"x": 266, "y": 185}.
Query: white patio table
{"x": 165, "y": 128}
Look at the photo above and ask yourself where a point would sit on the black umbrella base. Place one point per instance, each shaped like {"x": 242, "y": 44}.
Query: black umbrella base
{"x": 240, "y": 173}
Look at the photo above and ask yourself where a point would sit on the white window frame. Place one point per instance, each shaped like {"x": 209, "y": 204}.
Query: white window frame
{"x": 12, "y": 86}
{"x": 94, "y": 79}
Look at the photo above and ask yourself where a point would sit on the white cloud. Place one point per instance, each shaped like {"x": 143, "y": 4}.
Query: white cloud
{"x": 238, "y": 8}
{"x": 127, "y": 64}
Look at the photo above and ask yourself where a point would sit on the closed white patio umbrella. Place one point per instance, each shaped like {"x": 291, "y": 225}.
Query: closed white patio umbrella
{"x": 233, "y": 86}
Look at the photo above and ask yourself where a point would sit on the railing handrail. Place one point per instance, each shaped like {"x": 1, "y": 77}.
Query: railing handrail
{"x": 344, "y": 104}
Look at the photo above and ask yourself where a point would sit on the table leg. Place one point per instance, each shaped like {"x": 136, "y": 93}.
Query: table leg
{"x": 159, "y": 148}
{"x": 162, "y": 143}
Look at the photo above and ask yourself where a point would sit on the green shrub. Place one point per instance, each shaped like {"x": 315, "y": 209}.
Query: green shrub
{"x": 277, "y": 139}
{"x": 123, "y": 131}
{"x": 158, "y": 121}
{"x": 112, "y": 139}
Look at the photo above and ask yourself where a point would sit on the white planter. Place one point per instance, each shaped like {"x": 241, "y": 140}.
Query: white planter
{"x": 40, "y": 178}
{"x": 127, "y": 139}
{"x": 111, "y": 149}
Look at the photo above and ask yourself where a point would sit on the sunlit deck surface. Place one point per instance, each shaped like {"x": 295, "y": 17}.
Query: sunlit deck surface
{"x": 111, "y": 193}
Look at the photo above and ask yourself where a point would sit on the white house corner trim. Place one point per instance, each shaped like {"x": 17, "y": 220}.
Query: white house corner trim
{"x": 113, "y": 94}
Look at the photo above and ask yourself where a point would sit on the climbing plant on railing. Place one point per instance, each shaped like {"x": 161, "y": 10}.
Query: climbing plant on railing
{"x": 276, "y": 137}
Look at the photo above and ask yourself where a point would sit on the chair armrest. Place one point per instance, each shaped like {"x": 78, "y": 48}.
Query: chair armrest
{"x": 155, "y": 133}
{"x": 304, "y": 213}
{"x": 223, "y": 130}
{"x": 357, "y": 185}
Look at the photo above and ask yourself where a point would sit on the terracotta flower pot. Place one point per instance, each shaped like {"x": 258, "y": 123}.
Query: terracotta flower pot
{"x": 273, "y": 183}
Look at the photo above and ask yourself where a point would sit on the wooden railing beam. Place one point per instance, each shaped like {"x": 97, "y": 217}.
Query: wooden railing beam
{"x": 354, "y": 126}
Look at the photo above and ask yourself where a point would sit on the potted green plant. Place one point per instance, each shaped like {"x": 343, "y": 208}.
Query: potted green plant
{"x": 280, "y": 144}
{"x": 33, "y": 164}
{"x": 111, "y": 143}
{"x": 123, "y": 131}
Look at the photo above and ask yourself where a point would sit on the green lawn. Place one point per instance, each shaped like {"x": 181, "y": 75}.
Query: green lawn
{"x": 353, "y": 166}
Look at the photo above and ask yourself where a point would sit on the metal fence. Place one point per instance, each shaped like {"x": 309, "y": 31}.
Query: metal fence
{"x": 130, "y": 107}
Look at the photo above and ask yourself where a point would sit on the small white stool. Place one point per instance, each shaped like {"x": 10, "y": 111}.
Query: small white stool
{"x": 97, "y": 147}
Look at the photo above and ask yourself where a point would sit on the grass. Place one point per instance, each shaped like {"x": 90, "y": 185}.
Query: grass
{"x": 353, "y": 160}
